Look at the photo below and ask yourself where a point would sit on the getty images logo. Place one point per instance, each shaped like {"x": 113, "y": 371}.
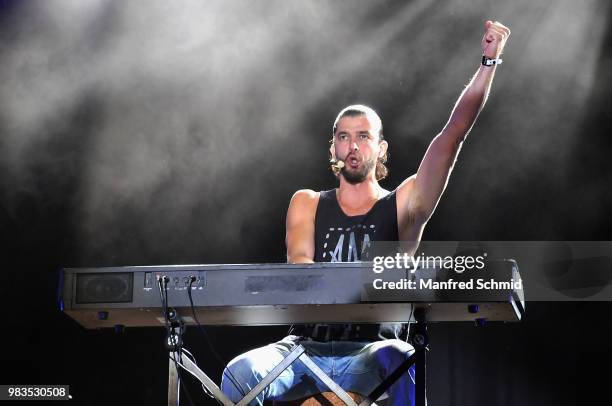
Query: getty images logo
{"x": 459, "y": 263}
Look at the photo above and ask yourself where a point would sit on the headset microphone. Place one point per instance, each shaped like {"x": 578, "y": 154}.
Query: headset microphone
{"x": 338, "y": 164}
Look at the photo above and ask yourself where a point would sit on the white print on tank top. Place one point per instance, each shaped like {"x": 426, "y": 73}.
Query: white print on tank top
{"x": 341, "y": 242}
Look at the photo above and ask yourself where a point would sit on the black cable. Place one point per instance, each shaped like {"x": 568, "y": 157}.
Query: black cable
{"x": 196, "y": 377}
{"x": 204, "y": 388}
{"x": 192, "y": 359}
{"x": 409, "y": 321}
{"x": 163, "y": 295}
{"x": 174, "y": 345}
{"x": 229, "y": 374}
{"x": 163, "y": 301}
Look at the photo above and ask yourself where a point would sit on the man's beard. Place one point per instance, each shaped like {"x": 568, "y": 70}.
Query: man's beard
{"x": 360, "y": 174}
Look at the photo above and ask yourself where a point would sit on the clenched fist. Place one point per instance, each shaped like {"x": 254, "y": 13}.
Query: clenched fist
{"x": 494, "y": 40}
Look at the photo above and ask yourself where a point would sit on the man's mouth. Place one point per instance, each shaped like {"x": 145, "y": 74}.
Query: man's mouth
{"x": 352, "y": 161}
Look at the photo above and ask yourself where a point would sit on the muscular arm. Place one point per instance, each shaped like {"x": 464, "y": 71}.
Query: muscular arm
{"x": 420, "y": 194}
{"x": 300, "y": 227}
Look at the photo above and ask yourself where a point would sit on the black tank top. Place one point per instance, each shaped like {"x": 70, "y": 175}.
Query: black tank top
{"x": 342, "y": 238}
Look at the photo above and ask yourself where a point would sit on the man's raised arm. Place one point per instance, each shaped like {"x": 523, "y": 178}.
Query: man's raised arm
{"x": 421, "y": 192}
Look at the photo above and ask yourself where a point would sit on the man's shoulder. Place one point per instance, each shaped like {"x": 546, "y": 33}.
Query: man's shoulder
{"x": 303, "y": 205}
{"x": 304, "y": 199}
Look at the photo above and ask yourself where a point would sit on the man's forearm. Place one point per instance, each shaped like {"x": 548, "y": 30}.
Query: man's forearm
{"x": 475, "y": 94}
{"x": 469, "y": 104}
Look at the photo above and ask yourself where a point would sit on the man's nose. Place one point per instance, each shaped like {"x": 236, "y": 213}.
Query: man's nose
{"x": 354, "y": 146}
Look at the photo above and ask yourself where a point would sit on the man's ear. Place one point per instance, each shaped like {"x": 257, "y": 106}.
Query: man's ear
{"x": 384, "y": 145}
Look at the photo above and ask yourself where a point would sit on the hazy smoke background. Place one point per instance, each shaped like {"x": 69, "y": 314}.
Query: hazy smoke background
{"x": 159, "y": 132}
{"x": 178, "y": 131}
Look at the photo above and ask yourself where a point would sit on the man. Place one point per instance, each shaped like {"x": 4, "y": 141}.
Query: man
{"x": 336, "y": 225}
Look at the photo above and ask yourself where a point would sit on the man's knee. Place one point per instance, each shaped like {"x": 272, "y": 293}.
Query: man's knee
{"x": 239, "y": 376}
{"x": 243, "y": 367}
{"x": 392, "y": 351}
{"x": 250, "y": 367}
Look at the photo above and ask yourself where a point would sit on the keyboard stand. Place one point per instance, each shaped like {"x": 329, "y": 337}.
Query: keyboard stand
{"x": 173, "y": 382}
{"x": 298, "y": 352}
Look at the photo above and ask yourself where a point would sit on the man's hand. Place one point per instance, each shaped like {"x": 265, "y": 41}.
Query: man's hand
{"x": 494, "y": 40}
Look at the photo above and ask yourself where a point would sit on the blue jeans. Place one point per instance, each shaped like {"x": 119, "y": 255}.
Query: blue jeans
{"x": 356, "y": 366}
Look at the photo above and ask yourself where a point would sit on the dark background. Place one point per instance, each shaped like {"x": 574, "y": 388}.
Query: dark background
{"x": 141, "y": 133}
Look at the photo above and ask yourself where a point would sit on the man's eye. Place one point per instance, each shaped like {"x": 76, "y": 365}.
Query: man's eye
{"x": 363, "y": 136}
